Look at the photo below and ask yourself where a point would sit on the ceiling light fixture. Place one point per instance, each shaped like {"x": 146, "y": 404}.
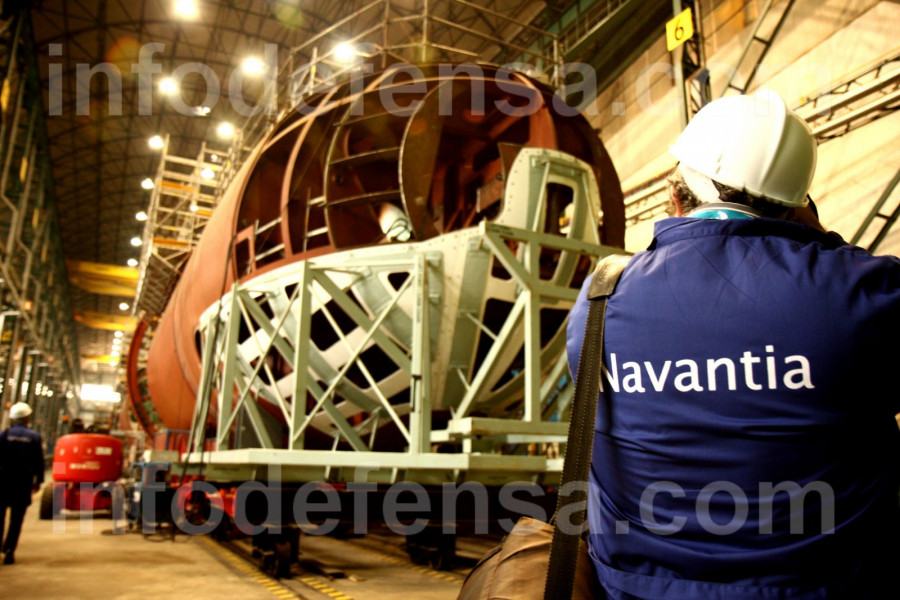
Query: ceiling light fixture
{"x": 141, "y": 215}
{"x": 118, "y": 334}
{"x": 123, "y": 306}
{"x": 185, "y": 8}
{"x": 147, "y": 184}
{"x": 207, "y": 173}
{"x": 136, "y": 241}
{"x": 168, "y": 86}
{"x": 156, "y": 142}
{"x": 344, "y": 52}
{"x": 225, "y": 130}
{"x": 131, "y": 262}
{"x": 253, "y": 66}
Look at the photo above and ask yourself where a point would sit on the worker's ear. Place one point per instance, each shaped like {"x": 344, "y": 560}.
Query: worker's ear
{"x": 805, "y": 215}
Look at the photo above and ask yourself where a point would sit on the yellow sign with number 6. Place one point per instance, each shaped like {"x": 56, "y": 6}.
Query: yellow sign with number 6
{"x": 679, "y": 30}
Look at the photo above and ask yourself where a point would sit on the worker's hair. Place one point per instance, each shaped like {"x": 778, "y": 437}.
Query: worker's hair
{"x": 726, "y": 194}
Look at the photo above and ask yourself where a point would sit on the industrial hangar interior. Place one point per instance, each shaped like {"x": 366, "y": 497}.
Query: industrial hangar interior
{"x": 413, "y": 190}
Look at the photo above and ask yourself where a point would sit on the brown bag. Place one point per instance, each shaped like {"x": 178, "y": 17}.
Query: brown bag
{"x": 517, "y": 568}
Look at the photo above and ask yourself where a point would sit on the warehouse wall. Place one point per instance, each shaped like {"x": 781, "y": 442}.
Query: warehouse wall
{"x": 820, "y": 43}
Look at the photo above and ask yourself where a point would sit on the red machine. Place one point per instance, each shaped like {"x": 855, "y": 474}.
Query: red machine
{"x": 86, "y": 467}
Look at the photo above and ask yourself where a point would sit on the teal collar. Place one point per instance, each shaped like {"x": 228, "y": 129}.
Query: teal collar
{"x": 722, "y": 211}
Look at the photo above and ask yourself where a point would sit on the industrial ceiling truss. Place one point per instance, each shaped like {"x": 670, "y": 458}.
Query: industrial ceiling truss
{"x": 860, "y": 98}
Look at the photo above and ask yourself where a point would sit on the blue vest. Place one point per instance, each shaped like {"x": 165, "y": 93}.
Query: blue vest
{"x": 21, "y": 464}
{"x": 747, "y": 447}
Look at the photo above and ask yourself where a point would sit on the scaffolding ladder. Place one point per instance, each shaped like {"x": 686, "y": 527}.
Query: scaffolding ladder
{"x": 755, "y": 39}
{"x": 185, "y": 192}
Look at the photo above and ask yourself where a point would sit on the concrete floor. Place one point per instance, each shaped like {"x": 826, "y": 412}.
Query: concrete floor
{"x": 374, "y": 571}
{"x": 72, "y": 558}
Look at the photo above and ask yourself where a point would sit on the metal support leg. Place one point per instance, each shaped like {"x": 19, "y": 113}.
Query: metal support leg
{"x": 532, "y": 348}
{"x": 226, "y": 388}
{"x": 420, "y": 389}
{"x": 301, "y": 357}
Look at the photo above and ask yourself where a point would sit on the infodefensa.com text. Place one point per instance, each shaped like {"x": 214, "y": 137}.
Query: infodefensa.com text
{"x": 407, "y": 508}
{"x": 577, "y": 94}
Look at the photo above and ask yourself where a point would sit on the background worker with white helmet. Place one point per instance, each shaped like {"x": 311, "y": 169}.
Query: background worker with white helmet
{"x": 21, "y": 475}
{"x": 745, "y": 445}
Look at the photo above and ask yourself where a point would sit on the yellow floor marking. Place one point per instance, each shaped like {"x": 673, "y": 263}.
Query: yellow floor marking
{"x": 451, "y": 577}
{"x": 270, "y": 584}
{"x": 323, "y": 588}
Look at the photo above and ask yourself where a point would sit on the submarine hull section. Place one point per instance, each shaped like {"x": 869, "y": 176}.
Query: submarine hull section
{"x": 346, "y": 174}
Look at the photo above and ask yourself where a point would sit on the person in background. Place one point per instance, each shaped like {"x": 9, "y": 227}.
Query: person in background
{"x": 746, "y": 446}
{"x": 21, "y": 475}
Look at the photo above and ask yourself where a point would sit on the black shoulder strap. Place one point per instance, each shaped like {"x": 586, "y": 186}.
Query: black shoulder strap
{"x": 580, "y": 441}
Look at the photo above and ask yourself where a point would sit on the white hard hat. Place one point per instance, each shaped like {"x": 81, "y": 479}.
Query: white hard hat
{"x": 19, "y": 410}
{"x": 751, "y": 143}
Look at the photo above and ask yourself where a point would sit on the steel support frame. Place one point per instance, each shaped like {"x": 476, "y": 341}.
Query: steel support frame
{"x": 32, "y": 269}
{"x": 235, "y": 386}
{"x": 290, "y": 329}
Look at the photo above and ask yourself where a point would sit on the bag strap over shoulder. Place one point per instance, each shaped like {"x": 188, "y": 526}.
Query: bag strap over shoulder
{"x": 606, "y": 276}
{"x": 580, "y": 441}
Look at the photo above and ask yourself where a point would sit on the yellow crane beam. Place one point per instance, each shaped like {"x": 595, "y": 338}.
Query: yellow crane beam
{"x": 101, "y": 278}
{"x": 109, "y": 322}
{"x": 101, "y": 358}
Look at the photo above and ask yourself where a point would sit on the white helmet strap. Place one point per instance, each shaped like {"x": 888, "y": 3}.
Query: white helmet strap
{"x": 700, "y": 185}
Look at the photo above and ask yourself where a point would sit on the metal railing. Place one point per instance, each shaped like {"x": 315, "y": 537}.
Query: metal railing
{"x": 380, "y": 34}
{"x": 581, "y": 27}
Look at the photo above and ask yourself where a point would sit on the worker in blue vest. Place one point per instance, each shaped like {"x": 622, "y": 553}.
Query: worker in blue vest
{"x": 746, "y": 446}
{"x": 21, "y": 475}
